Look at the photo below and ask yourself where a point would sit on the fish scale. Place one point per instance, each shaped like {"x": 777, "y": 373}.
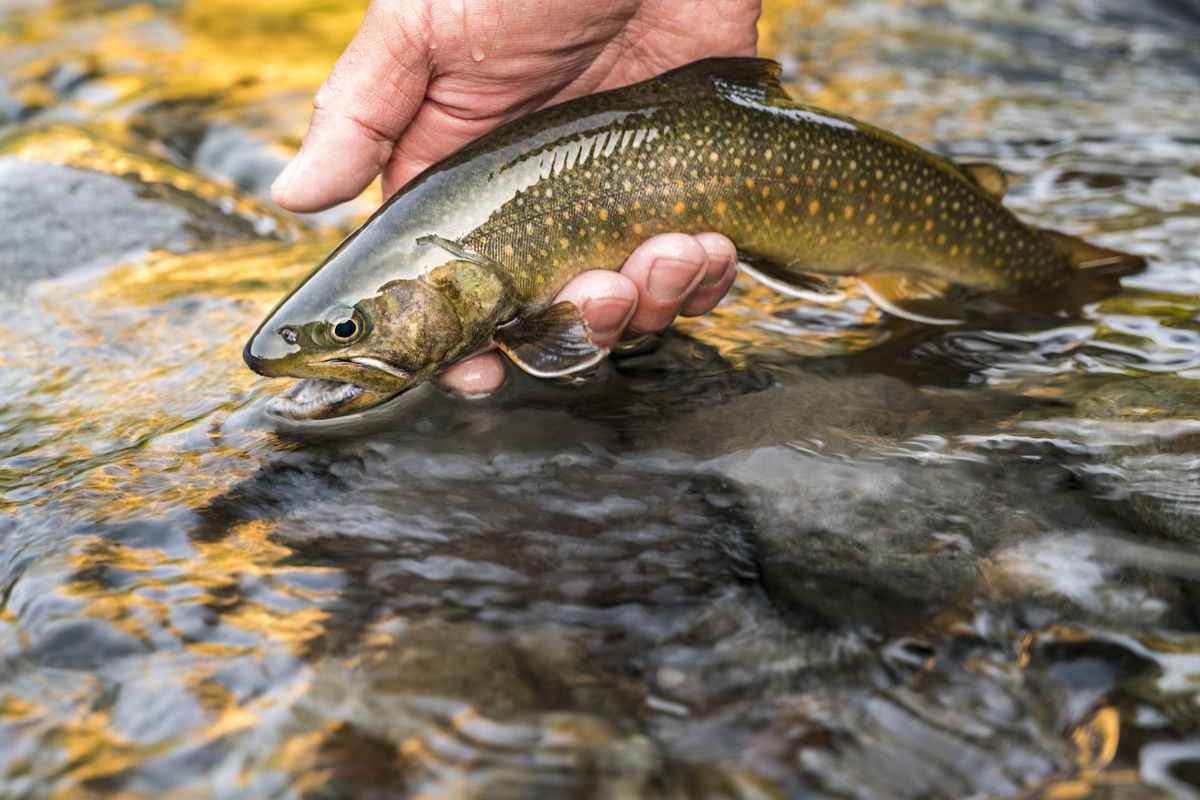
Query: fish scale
{"x": 474, "y": 250}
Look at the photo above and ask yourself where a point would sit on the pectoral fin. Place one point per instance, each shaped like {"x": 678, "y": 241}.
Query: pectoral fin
{"x": 791, "y": 282}
{"x": 915, "y": 297}
{"x": 457, "y": 250}
{"x": 550, "y": 343}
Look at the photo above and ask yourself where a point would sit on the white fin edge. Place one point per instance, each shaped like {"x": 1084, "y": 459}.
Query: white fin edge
{"x": 562, "y": 373}
{"x": 834, "y": 296}
{"x": 890, "y": 308}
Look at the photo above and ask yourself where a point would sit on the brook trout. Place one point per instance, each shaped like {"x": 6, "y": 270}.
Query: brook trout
{"x": 472, "y": 251}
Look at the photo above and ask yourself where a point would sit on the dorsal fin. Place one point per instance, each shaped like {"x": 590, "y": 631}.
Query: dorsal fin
{"x": 759, "y": 76}
{"x": 988, "y": 177}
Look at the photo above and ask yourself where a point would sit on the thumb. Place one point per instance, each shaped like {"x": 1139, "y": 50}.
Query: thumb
{"x": 369, "y": 98}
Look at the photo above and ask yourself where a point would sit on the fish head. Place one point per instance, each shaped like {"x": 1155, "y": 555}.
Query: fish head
{"x": 357, "y": 353}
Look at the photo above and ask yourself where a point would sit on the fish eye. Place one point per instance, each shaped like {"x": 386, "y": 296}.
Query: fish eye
{"x": 343, "y": 325}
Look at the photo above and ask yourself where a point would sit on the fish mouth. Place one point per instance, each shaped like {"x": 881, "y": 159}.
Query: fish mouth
{"x": 324, "y": 398}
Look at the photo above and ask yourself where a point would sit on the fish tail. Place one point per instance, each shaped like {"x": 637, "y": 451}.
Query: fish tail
{"x": 1092, "y": 272}
{"x": 1081, "y": 256}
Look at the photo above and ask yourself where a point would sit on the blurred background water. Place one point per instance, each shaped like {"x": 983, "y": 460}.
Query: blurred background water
{"x": 760, "y": 559}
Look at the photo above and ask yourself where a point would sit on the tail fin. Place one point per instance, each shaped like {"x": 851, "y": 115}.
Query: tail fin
{"x": 1083, "y": 256}
{"x": 1093, "y": 274}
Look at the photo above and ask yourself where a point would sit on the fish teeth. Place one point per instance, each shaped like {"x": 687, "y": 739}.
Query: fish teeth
{"x": 309, "y": 395}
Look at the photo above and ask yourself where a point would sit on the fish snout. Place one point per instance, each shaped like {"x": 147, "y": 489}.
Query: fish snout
{"x": 267, "y": 350}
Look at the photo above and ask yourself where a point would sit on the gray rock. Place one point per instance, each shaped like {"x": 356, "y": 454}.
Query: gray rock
{"x": 60, "y": 218}
{"x": 890, "y": 545}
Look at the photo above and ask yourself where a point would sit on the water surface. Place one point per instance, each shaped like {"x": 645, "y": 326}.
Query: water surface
{"x": 787, "y": 550}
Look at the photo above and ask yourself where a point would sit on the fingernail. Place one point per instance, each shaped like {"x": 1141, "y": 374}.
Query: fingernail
{"x": 670, "y": 278}
{"x": 714, "y": 274}
{"x": 608, "y": 316}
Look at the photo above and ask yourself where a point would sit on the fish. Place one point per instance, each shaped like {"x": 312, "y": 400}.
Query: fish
{"x": 471, "y": 252}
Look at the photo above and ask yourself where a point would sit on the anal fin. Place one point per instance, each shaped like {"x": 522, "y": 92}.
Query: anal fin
{"x": 916, "y": 297}
{"x": 550, "y": 343}
{"x": 804, "y": 285}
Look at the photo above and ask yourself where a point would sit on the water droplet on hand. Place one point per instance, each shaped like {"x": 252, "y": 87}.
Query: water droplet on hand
{"x": 477, "y": 52}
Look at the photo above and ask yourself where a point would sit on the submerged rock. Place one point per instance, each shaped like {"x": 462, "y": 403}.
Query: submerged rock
{"x": 72, "y": 199}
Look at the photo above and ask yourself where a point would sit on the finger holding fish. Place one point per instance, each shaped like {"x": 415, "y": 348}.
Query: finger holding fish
{"x": 616, "y": 305}
{"x": 718, "y": 278}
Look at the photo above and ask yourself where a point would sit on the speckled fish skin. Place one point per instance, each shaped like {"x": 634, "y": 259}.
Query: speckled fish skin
{"x": 790, "y": 185}
{"x": 499, "y": 227}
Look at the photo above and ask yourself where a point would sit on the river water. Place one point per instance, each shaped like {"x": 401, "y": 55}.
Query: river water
{"x": 784, "y": 551}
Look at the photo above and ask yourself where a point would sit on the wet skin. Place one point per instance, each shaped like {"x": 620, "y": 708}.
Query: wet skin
{"x": 473, "y": 250}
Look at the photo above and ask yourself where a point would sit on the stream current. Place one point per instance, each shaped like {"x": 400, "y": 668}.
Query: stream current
{"x": 760, "y": 557}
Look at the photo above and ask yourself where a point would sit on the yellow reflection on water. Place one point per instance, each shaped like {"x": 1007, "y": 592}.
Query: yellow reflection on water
{"x": 136, "y": 590}
{"x": 242, "y": 51}
{"x": 131, "y": 361}
{"x": 102, "y": 148}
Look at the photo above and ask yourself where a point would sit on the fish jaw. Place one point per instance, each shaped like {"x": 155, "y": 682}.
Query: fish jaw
{"x": 362, "y": 371}
{"x": 316, "y": 399}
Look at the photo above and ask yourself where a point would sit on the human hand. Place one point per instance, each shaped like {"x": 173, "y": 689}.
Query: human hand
{"x": 666, "y": 276}
{"x": 422, "y": 78}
